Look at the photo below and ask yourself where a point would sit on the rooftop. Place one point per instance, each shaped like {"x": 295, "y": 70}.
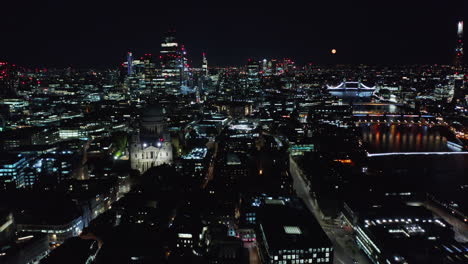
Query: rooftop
{"x": 196, "y": 153}
{"x": 288, "y": 227}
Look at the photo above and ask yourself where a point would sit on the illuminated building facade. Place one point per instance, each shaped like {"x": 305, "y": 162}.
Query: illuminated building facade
{"x": 459, "y": 48}
{"x": 288, "y": 234}
{"x": 457, "y": 80}
{"x": 393, "y": 231}
{"x": 13, "y": 170}
{"x": 8, "y": 73}
{"x": 57, "y": 233}
{"x": 152, "y": 145}
{"x": 151, "y": 72}
{"x": 129, "y": 64}
{"x": 205, "y": 65}
{"x": 195, "y": 163}
{"x": 186, "y": 74}
{"x": 171, "y": 63}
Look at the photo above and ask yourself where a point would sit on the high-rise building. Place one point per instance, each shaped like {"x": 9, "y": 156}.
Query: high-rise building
{"x": 205, "y": 65}
{"x": 459, "y": 47}
{"x": 186, "y": 74}
{"x": 151, "y": 72}
{"x": 8, "y": 74}
{"x": 12, "y": 170}
{"x": 171, "y": 63}
{"x": 457, "y": 80}
{"x": 253, "y": 67}
{"x": 129, "y": 63}
{"x": 456, "y": 87}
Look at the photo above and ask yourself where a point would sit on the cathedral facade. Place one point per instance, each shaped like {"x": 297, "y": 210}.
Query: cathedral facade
{"x": 151, "y": 145}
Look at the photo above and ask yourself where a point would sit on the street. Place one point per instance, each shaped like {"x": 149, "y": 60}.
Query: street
{"x": 345, "y": 250}
{"x": 254, "y": 257}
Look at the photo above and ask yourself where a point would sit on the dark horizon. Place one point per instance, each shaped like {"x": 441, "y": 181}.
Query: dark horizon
{"x": 98, "y": 35}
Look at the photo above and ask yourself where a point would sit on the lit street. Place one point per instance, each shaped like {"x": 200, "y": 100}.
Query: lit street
{"x": 345, "y": 249}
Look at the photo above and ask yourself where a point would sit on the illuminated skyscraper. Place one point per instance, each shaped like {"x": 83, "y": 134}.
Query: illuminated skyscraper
{"x": 129, "y": 63}
{"x": 459, "y": 48}
{"x": 457, "y": 80}
{"x": 150, "y": 72}
{"x": 171, "y": 63}
{"x": 186, "y": 76}
{"x": 205, "y": 65}
{"x": 253, "y": 67}
{"x": 8, "y": 74}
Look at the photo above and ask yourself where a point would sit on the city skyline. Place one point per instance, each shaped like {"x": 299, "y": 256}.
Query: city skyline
{"x": 234, "y": 133}
{"x": 99, "y": 35}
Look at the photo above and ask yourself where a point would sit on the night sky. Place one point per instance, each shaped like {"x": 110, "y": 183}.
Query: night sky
{"x": 99, "y": 33}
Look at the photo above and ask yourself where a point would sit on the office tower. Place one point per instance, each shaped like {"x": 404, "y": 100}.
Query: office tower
{"x": 459, "y": 47}
{"x": 205, "y": 65}
{"x": 253, "y": 67}
{"x": 8, "y": 75}
{"x": 150, "y": 72}
{"x": 186, "y": 75}
{"x": 12, "y": 170}
{"x": 171, "y": 63}
{"x": 129, "y": 63}
{"x": 457, "y": 80}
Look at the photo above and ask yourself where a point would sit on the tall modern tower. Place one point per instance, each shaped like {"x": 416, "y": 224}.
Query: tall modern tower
{"x": 205, "y": 65}
{"x": 185, "y": 67}
{"x": 457, "y": 80}
{"x": 171, "y": 63}
{"x": 459, "y": 47}
{"x": 129, "y": 63}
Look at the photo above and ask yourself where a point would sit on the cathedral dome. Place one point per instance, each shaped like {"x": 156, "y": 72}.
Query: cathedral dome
{"x": 153, "y": 113}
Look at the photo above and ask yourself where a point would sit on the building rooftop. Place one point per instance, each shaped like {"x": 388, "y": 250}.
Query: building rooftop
{"x": 404, "y": 230}
{"x": 196, "y": 154}
{"x": 288, "y": 227}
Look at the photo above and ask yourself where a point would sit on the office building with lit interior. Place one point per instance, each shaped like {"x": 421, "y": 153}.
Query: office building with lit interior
{"x": 12, "y": 170}
{"x": 289, "y": 233}
{"x": 392, "y": 231}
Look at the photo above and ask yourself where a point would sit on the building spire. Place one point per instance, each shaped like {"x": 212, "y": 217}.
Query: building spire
{"x": 459, "y": 48}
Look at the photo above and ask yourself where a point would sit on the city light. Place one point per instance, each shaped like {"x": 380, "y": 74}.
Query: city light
{"x": 155, "y": 153}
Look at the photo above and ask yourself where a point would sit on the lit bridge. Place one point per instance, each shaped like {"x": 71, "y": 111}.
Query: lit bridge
{"x": 398, "y": 119}
{"x": 350, "y": 86}
{"x": 416, "y": 153}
